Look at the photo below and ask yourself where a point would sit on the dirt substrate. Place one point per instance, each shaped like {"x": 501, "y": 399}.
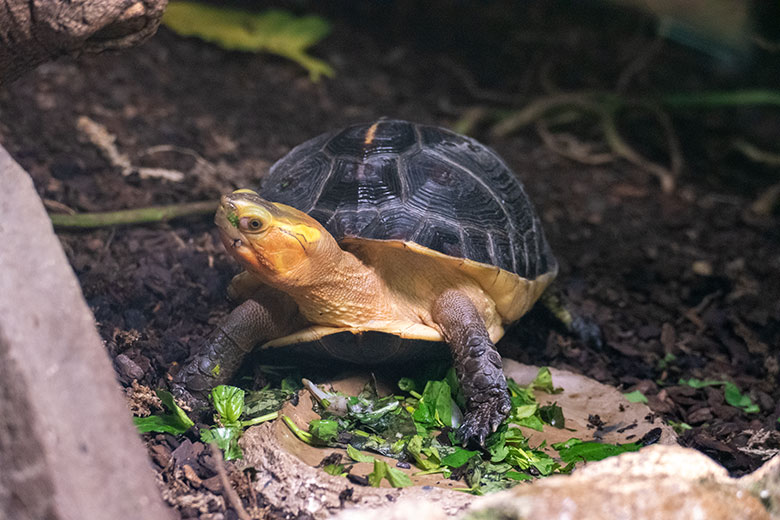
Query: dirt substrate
{"x": 684, "y": 285}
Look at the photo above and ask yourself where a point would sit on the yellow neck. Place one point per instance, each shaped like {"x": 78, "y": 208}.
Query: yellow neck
{"x": 335, "y": 288}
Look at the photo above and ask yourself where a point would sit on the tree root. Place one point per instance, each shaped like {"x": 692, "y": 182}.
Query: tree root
{"x": 607, "y": 107}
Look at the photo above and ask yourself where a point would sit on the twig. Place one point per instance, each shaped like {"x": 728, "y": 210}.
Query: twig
{"x": 626, "y": 151}
{"x": 132, "y": 216}
{"x": 474, "y": 90}
{"x": 756, "y": 154}
{"x": 766, "y": 202}
{"x": 540, "y": 107}
{"x": 638, "y": 64}
{"x": 470, "y": 119}
{"x": 570, "y": 147}
{"x": 227, "y": 489}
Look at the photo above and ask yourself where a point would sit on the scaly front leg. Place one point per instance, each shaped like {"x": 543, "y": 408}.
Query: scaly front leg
{"x": 219, "y": 358}
{"x": 477, "y": 365}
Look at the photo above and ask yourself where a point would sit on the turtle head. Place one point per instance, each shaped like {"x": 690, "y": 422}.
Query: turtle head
{"x": 272, "y": 241}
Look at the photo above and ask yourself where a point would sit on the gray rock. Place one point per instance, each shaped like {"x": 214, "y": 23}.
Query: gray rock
{"x": 68, "y": 449}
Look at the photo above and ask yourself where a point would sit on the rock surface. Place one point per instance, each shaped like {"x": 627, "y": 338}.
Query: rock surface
{"x": 656, "y": 483}
{"x": 287, "y": 476}
{"x": 68, "y": 449}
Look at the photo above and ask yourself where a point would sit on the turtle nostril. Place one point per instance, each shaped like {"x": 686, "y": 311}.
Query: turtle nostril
{"x": 237, "y": 243}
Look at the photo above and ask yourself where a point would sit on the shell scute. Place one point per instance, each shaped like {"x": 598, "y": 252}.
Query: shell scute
{"x": 393, "y": 180}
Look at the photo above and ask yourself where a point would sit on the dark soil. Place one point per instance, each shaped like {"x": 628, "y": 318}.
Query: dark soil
{"x": 684, "y": 285}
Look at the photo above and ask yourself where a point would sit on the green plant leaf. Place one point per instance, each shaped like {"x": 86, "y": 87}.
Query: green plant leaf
{"x": 376, "y": 476}
{"x": 635, "y": 397}
{"x": 229, "y": 403}
{"x": 226, "y": 439}
{"x": 174, "y": 423}
{"x": 516, "y": 475}
{"x": 737, "y": 399}
{"x": 414, "y": 448}
{"x": 358, "y": 456}
{"x": 335, "y": 469}
{"x": 575, "y": 450}
{"x": 552, "y": 414}
{"x": 394, "y": 476}
{"x": 731, "y": 393}
{"x": 439, "y": 400}
{"x": 397, "y": 478}
{"x": 544, "y": 382}
{"x": 699, "y": 383}
{"x": 458, "y": 458}
{"x": 275, "y": 31}
{"x": 325, "y": 430}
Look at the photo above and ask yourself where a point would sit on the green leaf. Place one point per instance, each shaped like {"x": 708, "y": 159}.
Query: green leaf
{"x": 394, "y": 476}
{"x": 226, "y": 439}
{"x": 731, "y": 392}
{"x": 737, "y": 399}
{"x": 635, "y": 397}
{"x": 376, "y": 476}
{"x": 516, "y": 475}
{"x": 265, "y": 401}
{"x": 680, "y": 427}
{"x": 590, "y": 451}
{"x": 406, "y": 384}
{"x": 174, "y": 423}
{"x": 229, "y": 403}
{"x": 544, "y": 382}
{"x": 552, "y": 414}
{"x": 324, "y": 429}
{"x": 397, "y": 478}
{"x": 356, "y": 455}
{"x": 521, "y": 395}
{"x": 698, "y": 383}
{"x": 458, "y": 458}
{"x": 524, "y": 411}
{"x": 414, "y": 448}
{"x": 275, "y": 31}
{"x": 439, "y": 401}
{"x": 334, "y": 469}
{"x": 534, "y": 422}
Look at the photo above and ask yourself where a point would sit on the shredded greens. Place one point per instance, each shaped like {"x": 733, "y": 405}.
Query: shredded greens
{"x": 230, "y": 405}
{"x": 175, "y": 422}
{"x": 731, "y": 393}
{"x": 418, "y": 427}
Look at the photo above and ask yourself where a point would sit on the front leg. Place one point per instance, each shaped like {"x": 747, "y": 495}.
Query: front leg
{"x": 219, "y": 358}
{"x": 477, "y": 365}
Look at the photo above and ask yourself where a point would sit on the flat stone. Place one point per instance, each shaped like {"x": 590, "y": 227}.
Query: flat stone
{"x": 656, "y": 483}
{"x": 68, "y": 448}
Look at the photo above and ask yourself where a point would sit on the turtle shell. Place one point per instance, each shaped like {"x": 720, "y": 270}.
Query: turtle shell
{"x": 399, "y": 181}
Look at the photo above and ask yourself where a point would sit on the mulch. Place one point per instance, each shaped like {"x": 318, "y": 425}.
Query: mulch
{"x": 684, "y": 285}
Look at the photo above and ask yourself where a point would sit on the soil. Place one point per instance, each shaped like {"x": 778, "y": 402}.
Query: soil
{"x": 684, "y": 284}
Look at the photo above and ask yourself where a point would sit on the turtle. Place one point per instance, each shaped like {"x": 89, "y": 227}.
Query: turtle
{"x": 388, "y": 241}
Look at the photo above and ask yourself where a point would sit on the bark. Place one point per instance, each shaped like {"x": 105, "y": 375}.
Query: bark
{"x": 35, "y": 31}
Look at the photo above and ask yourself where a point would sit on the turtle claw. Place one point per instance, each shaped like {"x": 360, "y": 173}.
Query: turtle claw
{"x": 484, "y": 419}
{"x": 199, "y": 405}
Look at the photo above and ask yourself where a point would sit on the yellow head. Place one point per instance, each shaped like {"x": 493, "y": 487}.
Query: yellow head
{"x": 272, "y": 241}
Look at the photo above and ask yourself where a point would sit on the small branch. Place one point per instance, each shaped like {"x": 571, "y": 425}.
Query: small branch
{"x": 626, "y": 151}
{"x": 133, "y": 216}
{"x": 227, "y": 489}
{"x": 756, "y": 154}
{"x": 570, "y": 147}
{"x": 541, "y": 106}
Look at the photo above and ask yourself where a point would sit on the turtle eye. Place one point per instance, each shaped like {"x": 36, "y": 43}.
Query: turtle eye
{"x": 250, "y": 224}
